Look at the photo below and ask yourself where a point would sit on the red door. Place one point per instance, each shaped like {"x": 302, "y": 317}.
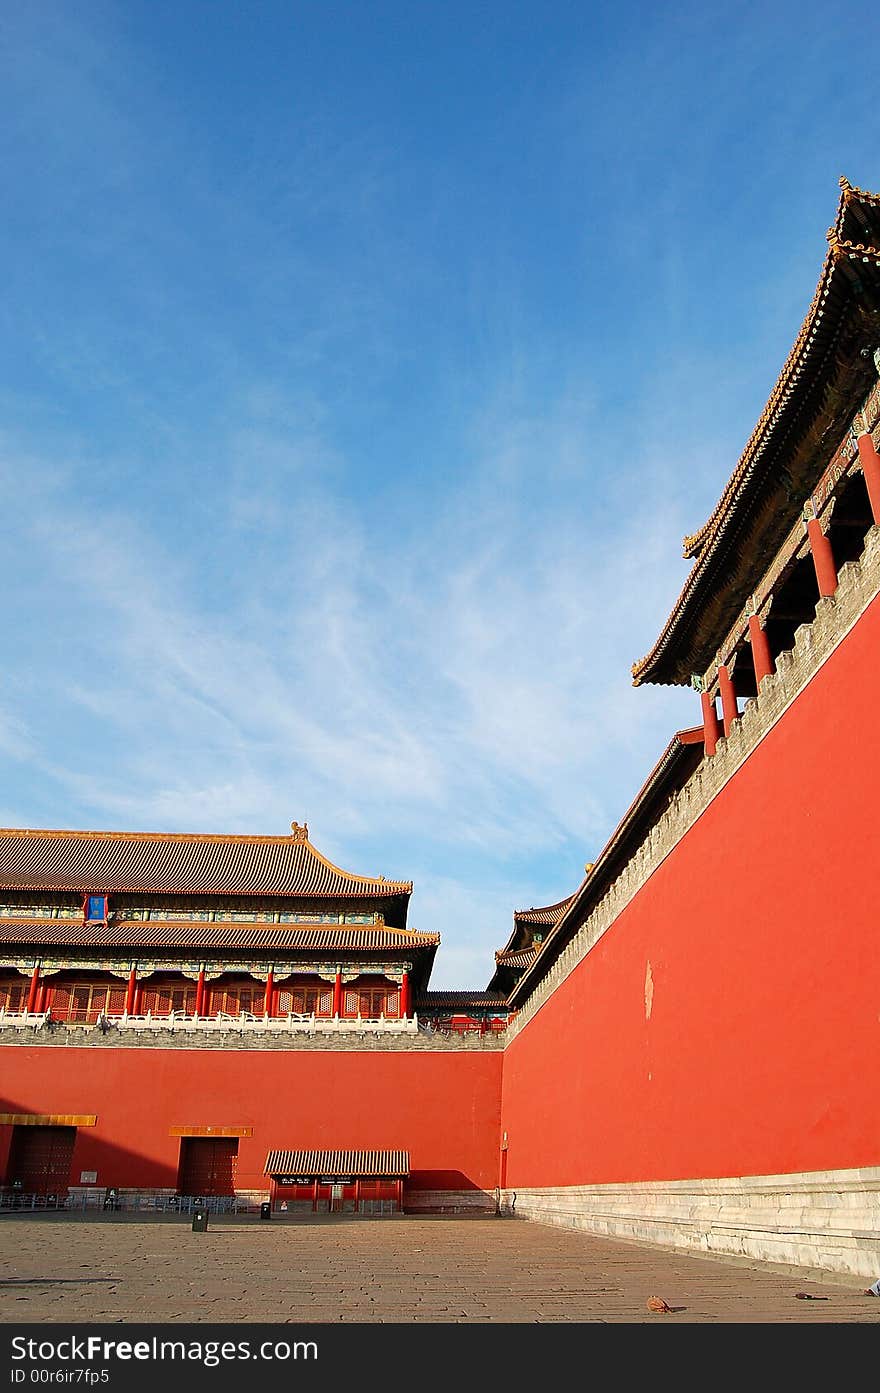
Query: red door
{"x": 40, "y": 1159}
{"x": 207, "y": 1166}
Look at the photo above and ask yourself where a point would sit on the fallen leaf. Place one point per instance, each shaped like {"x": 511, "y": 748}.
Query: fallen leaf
{"x": 656, "y": 1303}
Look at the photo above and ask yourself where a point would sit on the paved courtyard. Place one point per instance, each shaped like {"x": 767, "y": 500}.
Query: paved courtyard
{"x": 111, "y": 1268}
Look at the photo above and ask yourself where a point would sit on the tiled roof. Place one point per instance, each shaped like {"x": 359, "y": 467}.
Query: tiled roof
{"x": 522, "y": 957}
{"x": 153, "y": 934}
{"x": 178, "y": 863}
{"x": 453, "y": 1001}
{"x": 354, "y": 1163}
{"x": 524, "y": 920}
{"x": 551, "y": 914}
{"x": 821, "y": 386}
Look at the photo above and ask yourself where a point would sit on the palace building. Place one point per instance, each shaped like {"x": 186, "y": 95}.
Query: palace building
{"x": 134, "y": 927}
{"x": 678, "y": 1050}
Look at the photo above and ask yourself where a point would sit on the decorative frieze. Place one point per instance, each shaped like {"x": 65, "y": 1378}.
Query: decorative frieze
{"x": 67, "y": 964}
{"x": 40, "y": 911}
{"x": 213, "y": 968}
{"x": 175, "y": 915}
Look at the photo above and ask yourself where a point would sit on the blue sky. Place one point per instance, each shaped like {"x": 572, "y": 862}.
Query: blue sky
{"x": 363, "y": 367}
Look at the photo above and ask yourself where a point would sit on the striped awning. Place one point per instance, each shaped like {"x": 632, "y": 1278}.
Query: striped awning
{"x": 316, "y": 1164}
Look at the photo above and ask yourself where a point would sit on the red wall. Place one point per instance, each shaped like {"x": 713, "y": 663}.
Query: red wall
{"x": 442, "y": 1107}
{"x": 761, "y": 929}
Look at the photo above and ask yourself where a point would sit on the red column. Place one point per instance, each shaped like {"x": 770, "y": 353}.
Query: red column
{"x": 400, "y": 1195}
{"x": 823, "y": 558}
{"x": 337, "y": 995}
{"x": 42, "y": 997}
{"x": 871, "y": 470}
{"x": 728, "y": 698}
{"x": 269, "y": 1003}
{"x": 136, "y": 1003}
{"x": 405, "y": 996}
{"x": 34, "y": 989}
{"x": 131, "y": 993}
{"x": 315, "y": 1197}
{"x": 711, "y": 729}
{"x": 761, "y": 655}
{"x": 200, "y": 993}
{"x": 357, "y": 1196}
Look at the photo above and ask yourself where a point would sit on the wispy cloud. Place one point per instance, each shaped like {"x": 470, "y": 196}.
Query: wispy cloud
{"x": 460, "y": 698}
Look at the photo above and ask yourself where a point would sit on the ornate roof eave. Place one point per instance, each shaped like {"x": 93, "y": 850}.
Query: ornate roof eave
{"x": 522, "y": 957}
{"x": 140, "y": 935}
{"x": 684, "y": 748}
{"x": 545, "y": 917}
{"x": 549, "y": 915}
{"x": 821, "y": 386}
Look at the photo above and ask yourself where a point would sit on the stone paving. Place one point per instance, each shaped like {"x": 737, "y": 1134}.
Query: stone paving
{"x": 115, "y": 1268}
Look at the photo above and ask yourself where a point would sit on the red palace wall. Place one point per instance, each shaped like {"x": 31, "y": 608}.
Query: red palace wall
{"x": 759, "y": 1055}
{"x": 442, "y": 1107}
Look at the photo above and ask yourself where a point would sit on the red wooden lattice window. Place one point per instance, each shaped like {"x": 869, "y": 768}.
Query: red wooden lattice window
{"x": 372, "y": 1002}
{"x": 13, "y": 995}
{"x": 306, "y": 999}
{"x": 84, "y": 1002}
{"x": 236, "y": 1000}
{"x": 162, "y": 1000}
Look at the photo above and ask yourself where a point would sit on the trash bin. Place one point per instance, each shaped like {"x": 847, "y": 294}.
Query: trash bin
{"x": 265, "y": 1210}
{"x": 200, "y": 1220}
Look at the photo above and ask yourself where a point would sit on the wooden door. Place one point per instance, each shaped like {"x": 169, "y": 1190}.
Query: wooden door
{"x": 207, "y": 1166}
{"x": 40, "y": 1158}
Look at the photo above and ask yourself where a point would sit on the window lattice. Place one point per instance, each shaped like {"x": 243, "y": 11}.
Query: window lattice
{"x": 235, "y": 1001}
{"x": 14, "y": 996}
{"x": 306, "y": 1000}
{"x": 84, "y": 1002}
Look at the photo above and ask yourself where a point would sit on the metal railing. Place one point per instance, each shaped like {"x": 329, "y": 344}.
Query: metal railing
{"x": 98, "y": 1201}
{"x": 129, "y": 1201}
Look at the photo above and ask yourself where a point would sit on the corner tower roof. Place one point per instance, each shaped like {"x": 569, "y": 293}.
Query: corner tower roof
{"x": 823, "y": 383}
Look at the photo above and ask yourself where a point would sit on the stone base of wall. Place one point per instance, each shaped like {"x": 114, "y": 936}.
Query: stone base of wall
{"x": 450, "y": 1201}
{"x": 825, "y": 1219}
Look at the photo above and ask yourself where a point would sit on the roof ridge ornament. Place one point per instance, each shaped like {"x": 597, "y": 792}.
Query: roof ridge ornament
{"x": 299, "y": 833}
{"x": 845, "y": 185}
{"x": 692, "y": 541}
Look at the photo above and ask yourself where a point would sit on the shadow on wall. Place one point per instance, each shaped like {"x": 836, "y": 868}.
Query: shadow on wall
{"x": 446, "y": 1192}
{"x": 91, "y": 1161}
{"x": 441, "y": 1180}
